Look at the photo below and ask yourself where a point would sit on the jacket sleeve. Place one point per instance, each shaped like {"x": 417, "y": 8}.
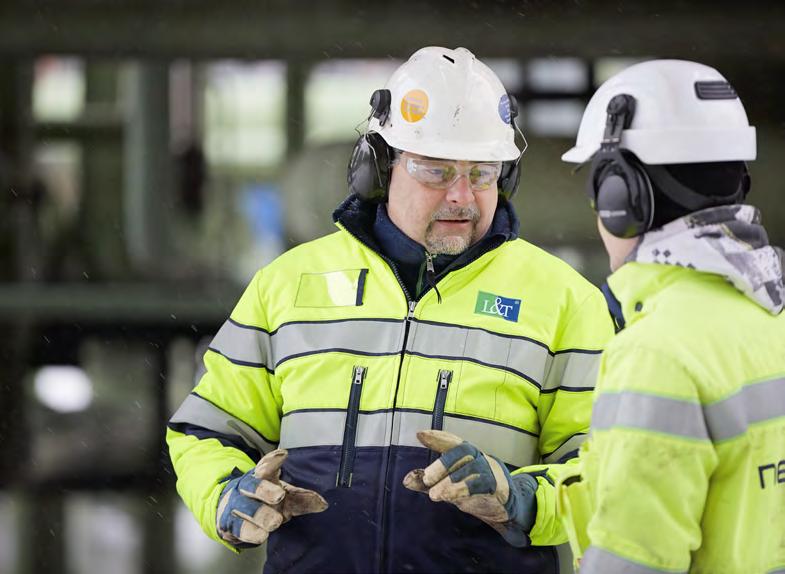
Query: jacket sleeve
{"x": 232, "y": 417}
{"x": 564, "y": 408}
{"x": 648, "y": 465}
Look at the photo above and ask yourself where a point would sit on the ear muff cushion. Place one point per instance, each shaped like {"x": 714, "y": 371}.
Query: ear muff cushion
{"x": 623, "y": 197}
{"x": 508, "y": 179}
{"x": 368, "y": 173}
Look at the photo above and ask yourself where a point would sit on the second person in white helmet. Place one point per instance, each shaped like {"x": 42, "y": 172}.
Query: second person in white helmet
{"x": 401, "y": 395}
{"x": 685, "y": 467}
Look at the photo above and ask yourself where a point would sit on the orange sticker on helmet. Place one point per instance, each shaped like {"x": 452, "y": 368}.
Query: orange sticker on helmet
{"x": 414, "y": 105}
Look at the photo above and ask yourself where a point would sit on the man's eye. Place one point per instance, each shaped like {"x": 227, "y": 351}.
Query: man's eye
{"x": 440, "y": 172}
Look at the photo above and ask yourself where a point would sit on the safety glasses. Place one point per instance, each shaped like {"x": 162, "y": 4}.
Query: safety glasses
{"x": 441, "y": 173}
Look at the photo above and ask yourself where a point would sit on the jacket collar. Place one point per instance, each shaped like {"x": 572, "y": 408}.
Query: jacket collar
{"x": 634, "y": 287}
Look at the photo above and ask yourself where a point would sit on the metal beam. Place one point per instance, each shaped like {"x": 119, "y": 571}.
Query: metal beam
{"x": 720, "y": 30}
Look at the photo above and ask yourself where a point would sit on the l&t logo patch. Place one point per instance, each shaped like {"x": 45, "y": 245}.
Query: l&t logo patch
{"x": 497, "y": 306}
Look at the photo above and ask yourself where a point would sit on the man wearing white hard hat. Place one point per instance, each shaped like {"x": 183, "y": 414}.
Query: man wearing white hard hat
{"x": 685, "y": 467}
{"x": 401, "y": 395}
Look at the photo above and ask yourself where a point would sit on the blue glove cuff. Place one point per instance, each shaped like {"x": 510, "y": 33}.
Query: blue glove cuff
{"x": 521, "y": 507}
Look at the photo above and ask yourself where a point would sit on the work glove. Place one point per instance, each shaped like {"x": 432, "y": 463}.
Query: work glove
{"x": 256, "y": 503}
{"x": 478, "y": 484}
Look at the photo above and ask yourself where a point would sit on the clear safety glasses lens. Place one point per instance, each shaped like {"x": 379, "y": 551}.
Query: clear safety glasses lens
{"x": 441, "y": 174}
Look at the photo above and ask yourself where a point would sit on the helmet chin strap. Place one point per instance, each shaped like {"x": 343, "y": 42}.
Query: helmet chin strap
{"x": 686, "y": 197}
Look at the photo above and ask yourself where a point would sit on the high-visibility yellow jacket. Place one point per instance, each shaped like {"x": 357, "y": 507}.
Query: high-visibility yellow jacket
{"x": 325, "y": 356}
{"x": 685, "y": 468}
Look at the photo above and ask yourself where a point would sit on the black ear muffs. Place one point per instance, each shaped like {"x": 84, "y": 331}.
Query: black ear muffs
{"x": 370, "y": 167}
{"x": 510, "y": 175}
{"x": 618, "y": 186}
{"x": 368, "y": 173}
{"x": 508, "y": 179}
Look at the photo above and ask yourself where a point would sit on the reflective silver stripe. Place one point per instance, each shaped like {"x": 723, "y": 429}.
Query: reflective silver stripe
{"x": 649, "y": 412}
{"x": 721, "y": 420}
{"x": 243, "y": 345}
{"x": 323, "y": 428}
{"x": 524, "y": 357}
{"x": 570, "y": 445}
{"x": 512, "y": 446}
{"x": 599, "y": 561}
{"x": 200, "y": 412}
{"x": 364, "y": 337}
{"x": 246, "y": 345}
{"x": 572, "y": 370}
{"x": 755, "y": 403}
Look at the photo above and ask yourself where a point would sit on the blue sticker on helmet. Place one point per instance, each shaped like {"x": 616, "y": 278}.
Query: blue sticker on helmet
{"x": 504, "y": 109}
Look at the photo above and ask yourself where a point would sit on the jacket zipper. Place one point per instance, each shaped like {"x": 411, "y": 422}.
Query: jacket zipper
{"x": 444, "y": 379}
{"x": 430, "y": 275}
{"x": 437, "y": 422}
{"x": 344, "y": 477}
{"x": 410, "y": 315}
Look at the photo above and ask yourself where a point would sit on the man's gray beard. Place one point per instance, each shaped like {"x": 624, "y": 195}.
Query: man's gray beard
{"x": 452, "y": 244}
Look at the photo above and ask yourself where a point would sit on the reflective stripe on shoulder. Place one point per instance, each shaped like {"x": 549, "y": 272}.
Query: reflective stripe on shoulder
{"x": 243, "y": 345}
{"x": 599, "y": 561}
{"x": 721, "y": 420}
{"x": 198, "y": 411}
{"x": 648, "y": 412}
{"x": 325, "y": 427}
{"x": 756, "y": 402}
{"x": 254, "y": 347}
{"x": 572, "y": 370}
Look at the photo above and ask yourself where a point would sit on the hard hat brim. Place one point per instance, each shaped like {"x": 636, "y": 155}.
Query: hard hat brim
{"x": 477, "y": 151}
{"x": 673, "y": 146}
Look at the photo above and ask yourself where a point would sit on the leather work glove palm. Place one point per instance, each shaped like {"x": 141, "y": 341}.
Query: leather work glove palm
{"x": 258, "y": 502}
{"x": 478, "y": 484}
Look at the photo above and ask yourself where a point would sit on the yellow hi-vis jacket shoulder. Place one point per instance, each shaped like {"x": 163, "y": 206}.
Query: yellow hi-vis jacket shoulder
{"x": 685, "y": 466}
{"x": 324, "y": 356}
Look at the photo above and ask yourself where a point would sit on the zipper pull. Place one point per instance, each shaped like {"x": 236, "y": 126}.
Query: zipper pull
{"x": 430, "y": 274}
{"x": 429, "y": 264}
{"x": 444, "y": 379}
{"x": 412, "y": 305}
{"x": 359, "y": 375}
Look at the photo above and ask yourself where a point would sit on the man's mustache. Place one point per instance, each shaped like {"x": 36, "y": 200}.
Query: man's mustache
{"x": 455, "y": 213}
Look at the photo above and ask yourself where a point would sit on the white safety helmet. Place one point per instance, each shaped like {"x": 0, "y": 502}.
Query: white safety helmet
{"x": 447, "y": 104}
{"x": 685, "y": 112}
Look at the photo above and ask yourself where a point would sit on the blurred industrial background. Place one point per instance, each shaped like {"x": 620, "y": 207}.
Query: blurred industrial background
{"x": 153, "y": 154}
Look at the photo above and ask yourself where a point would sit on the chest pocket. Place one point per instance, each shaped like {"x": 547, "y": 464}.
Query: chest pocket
{"x": 343, "y": 288}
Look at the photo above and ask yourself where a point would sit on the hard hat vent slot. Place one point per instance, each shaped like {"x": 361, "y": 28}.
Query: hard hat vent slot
{"x": 446, "y": 57}
{"x": 715, "y": 90}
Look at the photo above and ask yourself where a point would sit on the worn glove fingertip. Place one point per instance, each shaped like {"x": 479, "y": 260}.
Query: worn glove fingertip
{"x": 269, "y": 466}
{"x": 414, "y": 480}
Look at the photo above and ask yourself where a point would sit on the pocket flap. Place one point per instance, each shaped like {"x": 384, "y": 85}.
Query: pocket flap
{"x": 343, "y": 288}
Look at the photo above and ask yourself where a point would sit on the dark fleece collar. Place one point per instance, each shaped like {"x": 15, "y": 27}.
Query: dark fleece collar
{"x": 371, "y": 225}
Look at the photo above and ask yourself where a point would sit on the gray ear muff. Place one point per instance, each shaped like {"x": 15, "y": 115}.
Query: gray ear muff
{"x": 619, "y": 188}
{"x": 624, "y": 197}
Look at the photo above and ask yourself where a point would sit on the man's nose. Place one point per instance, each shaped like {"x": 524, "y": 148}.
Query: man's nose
{"x": 461, "y": 191}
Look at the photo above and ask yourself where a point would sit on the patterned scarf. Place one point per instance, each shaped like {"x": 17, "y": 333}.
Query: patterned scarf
{"x": 727, "y": 240}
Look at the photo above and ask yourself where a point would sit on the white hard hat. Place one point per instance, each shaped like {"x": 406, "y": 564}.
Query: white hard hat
{"x": 685, "y": 112}
{"x": 447, "y": 104}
